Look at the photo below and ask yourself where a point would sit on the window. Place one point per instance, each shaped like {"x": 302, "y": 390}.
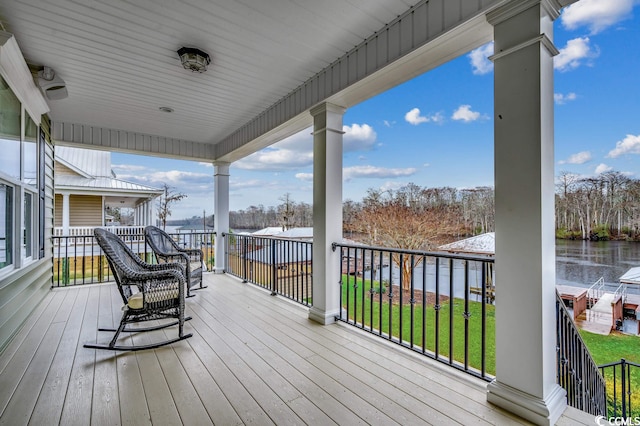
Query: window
{"x": 6, "y": 225}
{"x": 20, "y": 183}
{"x": 30, "y": 152}
{"x": 10, "y": 110}
{"x": 27, "y": 226}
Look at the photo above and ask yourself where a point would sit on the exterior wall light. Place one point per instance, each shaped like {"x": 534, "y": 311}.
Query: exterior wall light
{"x": 194, "y": 59}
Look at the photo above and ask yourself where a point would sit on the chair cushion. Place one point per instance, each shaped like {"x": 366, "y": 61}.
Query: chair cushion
{"x": 195, "y": 265}
{"x": 136, "y": 300}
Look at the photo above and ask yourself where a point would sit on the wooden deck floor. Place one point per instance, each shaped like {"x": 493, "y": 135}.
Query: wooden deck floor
{"x": 253, "y": 359}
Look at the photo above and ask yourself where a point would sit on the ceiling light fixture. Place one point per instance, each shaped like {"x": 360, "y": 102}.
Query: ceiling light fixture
{"x": 194, "y": 59}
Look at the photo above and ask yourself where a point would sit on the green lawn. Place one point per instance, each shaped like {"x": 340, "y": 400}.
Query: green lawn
{"x": 365, "y": 308}
{"x": 611, "y": 348}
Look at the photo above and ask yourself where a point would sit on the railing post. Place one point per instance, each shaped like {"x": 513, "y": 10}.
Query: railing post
{"x": 623, "y": 388}
{"x": 274, "y": 269}
{"x": 245, "y": 250}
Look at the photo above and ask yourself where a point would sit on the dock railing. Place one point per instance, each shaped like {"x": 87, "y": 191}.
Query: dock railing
{"x": 595, "y": 292}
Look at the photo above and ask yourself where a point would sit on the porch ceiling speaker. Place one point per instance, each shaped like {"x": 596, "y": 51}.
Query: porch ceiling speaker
{"x": 53, "y": 87}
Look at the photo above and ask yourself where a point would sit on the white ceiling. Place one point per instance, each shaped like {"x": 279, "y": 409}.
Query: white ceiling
{"x": 119, "y": 60}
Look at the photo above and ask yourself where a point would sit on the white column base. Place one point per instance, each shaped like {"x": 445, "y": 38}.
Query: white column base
{"x": 217, "y": 270}
{"x": 323, "y": 317}
{"x": 536, "y": 410}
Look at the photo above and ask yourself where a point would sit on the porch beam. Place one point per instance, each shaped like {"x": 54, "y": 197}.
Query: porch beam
{"x": 92, "y": 137}
{"x": 524, "y": 212}
{"x": 327, "y": 211}
{"x": 220, "y": 212}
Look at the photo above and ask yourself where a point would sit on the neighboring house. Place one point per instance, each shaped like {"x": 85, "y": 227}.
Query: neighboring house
{"x": 85, "y": 186}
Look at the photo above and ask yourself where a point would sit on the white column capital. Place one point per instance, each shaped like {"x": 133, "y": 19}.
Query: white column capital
{"x": 221, "y": 168}
{"x": 327, "y": 107}
{"x": 550, "y": 7}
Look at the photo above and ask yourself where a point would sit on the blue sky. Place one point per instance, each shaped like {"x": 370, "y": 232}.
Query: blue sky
{"x": 437, "y": 129}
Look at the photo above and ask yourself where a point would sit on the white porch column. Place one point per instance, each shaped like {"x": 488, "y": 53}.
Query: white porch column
{"x": 149, "y": 212}
{"x": 327, "y": 211}
{"x": 220, "y": 212}
{"x": 65, "y": 214}
{"x": 524, "y": 212}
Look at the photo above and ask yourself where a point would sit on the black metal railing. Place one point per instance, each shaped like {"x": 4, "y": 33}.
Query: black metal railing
{"x": 437, "y": 304}
{"x": 280, "y": 265}
{"x": 623, "y": 380}
{"x": 78, "y": 260}
{"x": 577, "y": 372}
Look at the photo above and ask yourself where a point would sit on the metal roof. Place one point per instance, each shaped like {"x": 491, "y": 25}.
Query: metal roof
{"x": 285, "y": 252}
{"x": 104, "y": 184}
{"x": 480, "y": 244}
{"x": 88, "y": 162}
{"x": 632, "y": 276}
{"x": 296, "y": 233}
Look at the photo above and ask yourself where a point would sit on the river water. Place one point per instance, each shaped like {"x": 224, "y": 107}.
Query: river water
{"x": 578, "y": 263}
{"x": 581, "y": 263}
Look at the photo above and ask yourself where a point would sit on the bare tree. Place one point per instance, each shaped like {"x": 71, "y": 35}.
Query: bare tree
{"x": 164, "y": 203}
{"x": 406, "y": 219}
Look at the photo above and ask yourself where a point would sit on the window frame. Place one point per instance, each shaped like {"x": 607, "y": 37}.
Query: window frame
{"x": 21, "y": 186}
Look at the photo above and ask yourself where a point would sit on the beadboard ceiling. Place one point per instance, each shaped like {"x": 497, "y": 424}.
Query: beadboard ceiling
{"x": 119, "y": 60}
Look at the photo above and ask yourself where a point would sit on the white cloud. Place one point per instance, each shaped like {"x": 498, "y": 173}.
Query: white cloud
{"x": 561, "y": 98}
{"x": 355, "y": 172}
{"x": 480, "y": 64}
{"x": 271, "y": 159}
{"x": 602, "y": 168}
{"x": 414, "y": 117}
{"x": 578, "y": 158}
{"x": 388, "y": 123}
{"x": 128, "y": 168}
{"x": 464, "y": 113}
{"x": 358, "y": 137}
{"x": 296, "y": 151}
{"x": 574, "y": 54}
{"x": 629, "y": 145}
{"x": 596, "y": 14}
{"x": 307, "y": 177}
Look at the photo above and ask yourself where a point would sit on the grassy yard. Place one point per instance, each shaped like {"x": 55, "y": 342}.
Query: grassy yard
{"x": 611, "y": 348}
{"x": 364, "y": 307}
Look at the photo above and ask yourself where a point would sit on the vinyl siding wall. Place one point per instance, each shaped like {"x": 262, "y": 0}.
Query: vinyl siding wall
{"x": 84, "y": 210}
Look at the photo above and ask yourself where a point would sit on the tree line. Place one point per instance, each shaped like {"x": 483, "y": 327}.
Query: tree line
{"x": 409, "y": 217}
{"x": 603, "y": 207}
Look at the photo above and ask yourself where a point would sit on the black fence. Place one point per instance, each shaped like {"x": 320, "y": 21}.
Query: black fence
{"x": 437, "y": 304}
{"x": 280, "y": 265}
{"x": 623, "y": 386}
{"x": 577, "y": 372}
{"x": 78, "y": 260}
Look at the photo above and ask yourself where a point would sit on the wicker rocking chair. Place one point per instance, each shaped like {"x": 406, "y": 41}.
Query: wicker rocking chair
{"x": 168, "y": 251}
{"x": 149, "y": 292}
